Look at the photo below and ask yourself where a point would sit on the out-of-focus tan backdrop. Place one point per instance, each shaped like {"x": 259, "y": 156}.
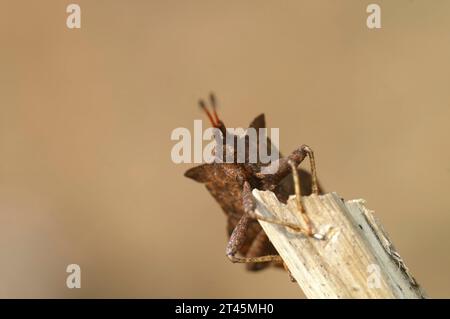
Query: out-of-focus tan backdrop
{"x": 86, "y": 115}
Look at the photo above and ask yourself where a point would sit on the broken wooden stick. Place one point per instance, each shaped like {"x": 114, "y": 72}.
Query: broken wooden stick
{"x": 355, "y": 258}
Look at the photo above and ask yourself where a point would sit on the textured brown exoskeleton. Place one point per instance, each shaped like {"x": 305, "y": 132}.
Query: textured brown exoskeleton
{"x": 231, "y": 185}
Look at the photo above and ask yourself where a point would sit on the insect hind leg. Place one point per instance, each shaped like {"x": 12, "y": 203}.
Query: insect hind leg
{"x": 236, "y": 241}
{"x": 259, "y": 246}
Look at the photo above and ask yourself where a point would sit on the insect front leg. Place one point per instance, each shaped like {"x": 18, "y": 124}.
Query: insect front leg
{"x": 284, "y": 168}
{"x": 249, "y": 207}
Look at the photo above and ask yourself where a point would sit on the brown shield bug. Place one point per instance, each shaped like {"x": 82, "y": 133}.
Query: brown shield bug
{"x": 231, "y": 184}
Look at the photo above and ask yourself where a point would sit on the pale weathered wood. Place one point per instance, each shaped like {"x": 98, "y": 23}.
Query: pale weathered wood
{"x": 355, "y": 259}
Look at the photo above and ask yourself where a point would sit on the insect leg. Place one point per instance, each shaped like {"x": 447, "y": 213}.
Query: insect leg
{"x": 260, "y": 245}
{"x": 249, "y": 207}
{"x": 257, "y": 248}
{"x": 298, "y": 200}
{"x": 236, "y": 241}
{"x": 284, "y": 168}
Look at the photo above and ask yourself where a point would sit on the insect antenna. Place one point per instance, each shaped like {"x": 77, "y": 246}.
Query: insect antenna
{"x": 213, "y": 101}
{"x": 202, "y": 105}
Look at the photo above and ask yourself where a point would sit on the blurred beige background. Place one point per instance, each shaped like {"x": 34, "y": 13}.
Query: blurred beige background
{"x": 86, "y": 116}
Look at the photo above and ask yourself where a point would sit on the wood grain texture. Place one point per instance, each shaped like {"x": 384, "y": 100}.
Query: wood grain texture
{"x": 356, "y": 259}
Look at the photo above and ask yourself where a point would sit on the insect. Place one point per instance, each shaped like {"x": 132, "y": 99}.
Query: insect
{"x": 231, "y": 185}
